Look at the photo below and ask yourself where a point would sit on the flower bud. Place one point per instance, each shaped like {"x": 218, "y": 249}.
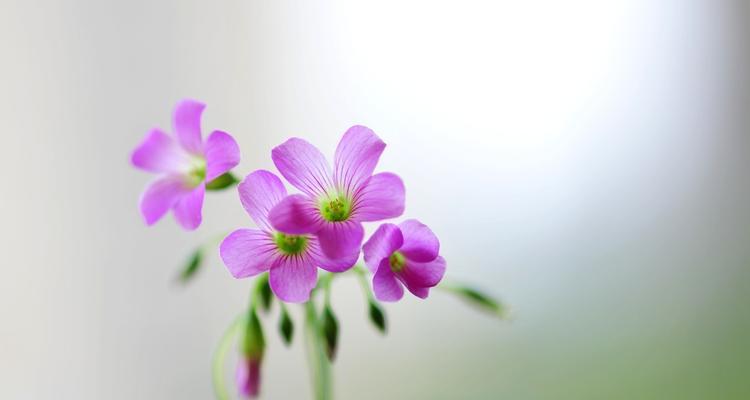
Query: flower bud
{"x": 248, "y": 377}
{"x": 192, "y": 266}
{"x": 253, "y": 346}
{"x": 265, "y": 295}
{"x": 286, "y": 327}
{"x": 377, "y": 316}
{"x": 481, "y": 300}
{"x": 330, "y": 327}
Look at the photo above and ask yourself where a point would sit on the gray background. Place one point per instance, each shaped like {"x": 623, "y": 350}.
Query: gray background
{"x": 585, "y": 160}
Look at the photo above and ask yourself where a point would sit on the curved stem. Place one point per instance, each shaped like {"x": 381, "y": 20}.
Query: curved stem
{"x": 320, "y": 366}
{"x": 362, "y": 278}
{"x": 217, "y": 369}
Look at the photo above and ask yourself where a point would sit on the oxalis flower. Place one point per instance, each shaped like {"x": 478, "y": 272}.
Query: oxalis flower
{"x": 293, "y": 259}
{"x": 184, "y": 165}
{"x": 335, "y": 204}
{"x": 403, "y": 255}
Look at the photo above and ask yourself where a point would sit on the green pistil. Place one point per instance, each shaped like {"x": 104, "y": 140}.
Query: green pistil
{"x": 335, "y": 209}
{"x": 290, "y": 244}
{"x": 197, "y": 172}
{"x": 397, "y": 261}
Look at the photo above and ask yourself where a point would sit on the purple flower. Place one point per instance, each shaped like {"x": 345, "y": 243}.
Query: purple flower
{"x": 406, "y": 255}
{"x": 247, "y": 376}
{"x": 291, "y": 258}
{"x": 184, "y": 166}
{"x": 335, "y": 204}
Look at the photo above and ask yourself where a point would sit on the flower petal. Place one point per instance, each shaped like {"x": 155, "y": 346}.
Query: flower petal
{"x": 381, "y": 197}
{"x": 295, "y": 214}
{"x": 339, "y": 264}
{"x": 159, "y": 153}
{"x": 420, "y": 275}
{"x": 187, "y": 125}
{"x": 187, "y": 210}
{"x": 260, "y": 191}
{"x": 160, "y": 196}
{"x": 356, "y": 157}
{"x": 292, "y": 278}
{"x": 222, "y": 154}
{"x": 420, "y": 244}
{"x": 421, "y": 292}
{"x": 248, "y": 252}
{"x": 304, "y": 166}
{"x": 340, "y": 239}
{"x": 385, "y": 285}
{"x": 381, "y": 245}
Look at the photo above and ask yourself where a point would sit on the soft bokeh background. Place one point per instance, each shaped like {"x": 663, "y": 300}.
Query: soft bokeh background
{"x": 588, "y": 161}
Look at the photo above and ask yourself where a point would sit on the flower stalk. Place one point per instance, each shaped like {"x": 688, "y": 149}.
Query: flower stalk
{"x": 320, "y": 365}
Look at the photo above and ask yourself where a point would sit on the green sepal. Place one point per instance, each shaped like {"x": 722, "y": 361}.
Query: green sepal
{"x": 286, "y": 327}
{"x": 330, "y": 328}
{"x": 377, "y": 316}
{"x": 192, "y": 266}
{"x": 222, "y": 181}
{"x": 253, "y": 343}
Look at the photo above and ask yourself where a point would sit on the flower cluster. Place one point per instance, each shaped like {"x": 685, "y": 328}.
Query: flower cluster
{"x": 295, "y": 234}
{"x": 322, "y": 226}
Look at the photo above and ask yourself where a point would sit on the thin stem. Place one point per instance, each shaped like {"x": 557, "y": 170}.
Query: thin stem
{"x": 326, "y": 286}
{"x": 361, "y": 276}
{"x": 217, "y": 369}
{"x": 320, "y": 366}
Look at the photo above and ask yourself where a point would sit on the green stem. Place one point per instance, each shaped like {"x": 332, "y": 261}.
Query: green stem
{"x": 217, "y": 369}
{"x": 320, "y": 366}
{"x": 326, "y": 286}
{"x": 362, "y": 277}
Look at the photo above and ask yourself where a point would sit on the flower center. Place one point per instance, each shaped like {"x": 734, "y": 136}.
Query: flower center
{"x": 335, "y": 209}
{"x": 397, "y": 261}
{"x": 197, "y": 172}
{"x": 290, "y": 244}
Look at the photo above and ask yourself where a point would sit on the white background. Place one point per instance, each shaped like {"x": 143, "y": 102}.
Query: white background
{"x": 587, "y": 161}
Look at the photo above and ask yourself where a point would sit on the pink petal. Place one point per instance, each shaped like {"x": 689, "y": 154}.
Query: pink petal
{"x": 160, "y": 196}
{"x": 159, "y": 153}
{"x": 420, "y": 244}
{"x": 187, "y": 210}
{"x": 247, "y": 378}
{"x": 381, "y": 197}
{"x": 187, "y": 125}
{"x": 339, "y": 264}
{"x": 304, "y": 166}
{"x": 222, "y": 154}
{"x": 385, "y": 285}
{"x": 417, "y": 275}
{"x": 295, "y": 214}
{"x": 421, "y": 292}
{"x": 381, "y": 245}
{"x": 293, "y": 277}
{"x": 341, "y": 239}
{"x": 247, "y": 252}
{"x": 356, "y": 157}
{"x": 259, "y": 192}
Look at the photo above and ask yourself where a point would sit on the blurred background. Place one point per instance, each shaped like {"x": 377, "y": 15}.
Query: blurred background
{"x": 586, "y": 161}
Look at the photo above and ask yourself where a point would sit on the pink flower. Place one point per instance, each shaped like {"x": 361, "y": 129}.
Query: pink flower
{"x": 184, "y": 166}
{"x": 291, "y": 258}
{"x": 335, "y": 204}
{"x": 403, "y": 255}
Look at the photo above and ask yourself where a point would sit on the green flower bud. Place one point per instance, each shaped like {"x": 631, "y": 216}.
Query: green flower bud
{"x": 330, "y": 328}
{"x": 377, "y": 316}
